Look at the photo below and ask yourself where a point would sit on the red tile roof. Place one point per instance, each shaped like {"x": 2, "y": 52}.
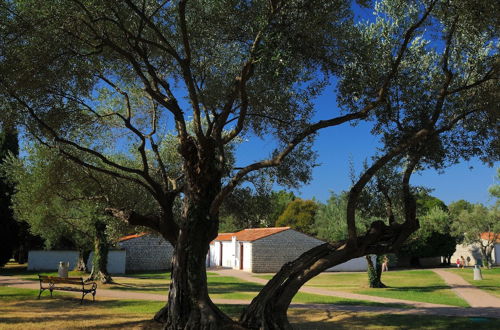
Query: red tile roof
{"x": 126, "y": 238}
{"x": 224, "y": 237}
{"x": 490, "y": 236}
{"x": 251, "y": 234}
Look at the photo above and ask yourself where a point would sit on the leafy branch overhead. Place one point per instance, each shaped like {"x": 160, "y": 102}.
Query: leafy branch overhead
{"x": 106, "y": 83}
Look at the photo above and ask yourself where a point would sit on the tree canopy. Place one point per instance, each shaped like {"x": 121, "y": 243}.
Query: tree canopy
{"x": 478, "y": 224}
{"x": 299, "y": 215}
{"x": 8, "y": 226}
{"x": 103, "y": 82}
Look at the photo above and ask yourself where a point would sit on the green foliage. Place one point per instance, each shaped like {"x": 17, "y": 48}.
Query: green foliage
{"x": 330, "y": 222}
{"x": 8, "y": 226}
{"x": 479, "y": 225}
{"x": 475, "y": 223}
{"x": 495, "y": 189}
{"x": 434, "y": 237}
{"x": 59, "y": 202}
{"x": 279, "y": 201}
{"x": 246, "y": 208}
{"x": 299, "y": 215}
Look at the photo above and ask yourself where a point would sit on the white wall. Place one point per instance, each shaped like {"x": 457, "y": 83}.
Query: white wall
{"x": 353, "y": 265}
{"x": 247, "y": 256}
{"x": 116, "y": 261}
{"x": 212, "y": 257}
{"x": 496, "y": 254}
{"x": 228, "y": 255}
{"x": 472, "y": 251}
{"x": 49, "y": 260}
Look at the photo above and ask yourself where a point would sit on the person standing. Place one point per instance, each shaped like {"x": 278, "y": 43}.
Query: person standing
{"x": 462, "y": 261}
{"x": 385, "y": 264}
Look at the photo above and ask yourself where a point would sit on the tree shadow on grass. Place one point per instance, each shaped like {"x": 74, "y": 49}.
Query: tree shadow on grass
{"x": 347, "y": 321}
{"x": 152, "y": 275}
{"x": 221, "y": 285}
{"x": 431, "y": 288}
{"x": 153, "y": 288}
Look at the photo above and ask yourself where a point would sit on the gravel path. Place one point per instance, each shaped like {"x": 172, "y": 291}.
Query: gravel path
{"x": 476, "y": 298}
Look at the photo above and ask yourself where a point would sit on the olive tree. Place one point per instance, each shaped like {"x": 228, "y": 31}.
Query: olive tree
{"x": 120, "y": 74}
{"x": 59, "y": 200}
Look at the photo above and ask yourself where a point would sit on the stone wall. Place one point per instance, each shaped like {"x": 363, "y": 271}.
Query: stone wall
{"x": 148, "y": 252}
{"x": 271, "y": 252}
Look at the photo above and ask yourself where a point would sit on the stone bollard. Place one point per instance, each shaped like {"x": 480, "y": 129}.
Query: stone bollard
{"x": 477, "y": 273}
{"x": 62, "y": 271}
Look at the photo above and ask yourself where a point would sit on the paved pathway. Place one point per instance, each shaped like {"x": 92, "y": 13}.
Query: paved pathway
{"x": 419, "y": 308}
{"x": 474, "y": 296}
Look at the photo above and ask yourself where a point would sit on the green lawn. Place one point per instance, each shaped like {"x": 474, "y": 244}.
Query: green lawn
{"x": 490, "y": 282}
{"x": 414, "y": 285}
{"x": 19, "y": 309}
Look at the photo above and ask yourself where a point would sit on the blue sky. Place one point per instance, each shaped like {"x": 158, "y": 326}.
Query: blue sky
{"x": 339, "y": 146}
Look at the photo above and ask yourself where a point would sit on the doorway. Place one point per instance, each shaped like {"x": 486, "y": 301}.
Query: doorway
{"x": 241, "y": 256}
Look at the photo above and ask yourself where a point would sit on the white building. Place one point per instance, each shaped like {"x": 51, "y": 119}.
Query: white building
{"x": 472, "y": 252}
{"x": 263, "y": 250}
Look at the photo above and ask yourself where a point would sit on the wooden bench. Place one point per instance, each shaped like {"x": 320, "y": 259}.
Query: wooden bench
{"x": 75, "y": 284}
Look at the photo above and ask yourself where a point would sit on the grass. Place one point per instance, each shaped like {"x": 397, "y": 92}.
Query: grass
{"x": 414, "y": 285}
{"x": 489, "y": 283}
{"x": 307, "y": 319}
{"x": 19, "y": 309}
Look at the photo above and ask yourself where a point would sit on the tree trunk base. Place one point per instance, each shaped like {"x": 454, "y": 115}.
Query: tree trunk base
{"x": 202, "y": 320}
{"x": 378, "y": 285}
{"x": 104, "y": 278}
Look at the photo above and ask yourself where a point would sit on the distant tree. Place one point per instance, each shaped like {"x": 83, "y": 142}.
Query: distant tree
{"x": 480, "y": 226}
{"x": 279, "y": 201}
{"x": 434, "y": 237}
{"x": 253, "y": 208}
{"x": 455, "y": 208}
{"x": 330, "y": 225}
{"x": 299, "y": 215}
{"x": 60, "y": 202}
{"x": 245, "y": 208}
{"x": 495, "y": 189}
{"x": 425, "y": 72}
{"x": 8, "y": 226}
{"x": 330, "y": 219}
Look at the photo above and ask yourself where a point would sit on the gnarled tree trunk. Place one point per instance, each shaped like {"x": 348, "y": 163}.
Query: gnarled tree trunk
{"x": 189, "y": 305}
{"x": 268, "y": 310}
{"x": 375, "y": 272}
{"x": 83, "y": 257}
{"x": 100, "y": 258}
